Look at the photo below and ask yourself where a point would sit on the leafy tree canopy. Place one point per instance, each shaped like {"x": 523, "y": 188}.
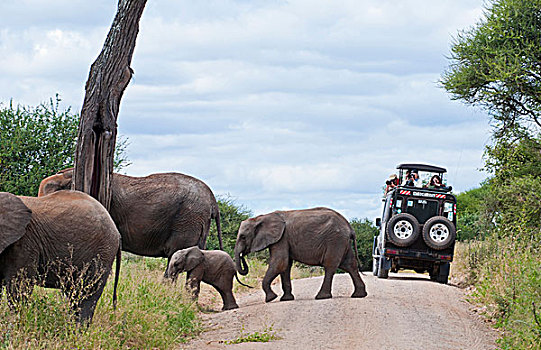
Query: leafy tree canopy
{"x": 496, "y": 64}
{"x": 36, "y": 142}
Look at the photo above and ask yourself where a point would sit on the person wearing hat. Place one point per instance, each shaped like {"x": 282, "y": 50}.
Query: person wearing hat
{"x": 391, "y": 183}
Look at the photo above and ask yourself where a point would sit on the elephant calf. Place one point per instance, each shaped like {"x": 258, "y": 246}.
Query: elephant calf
{"x": 55, "y": 241}
{"x": 214, "y": 267}
{"x": 318, "y": 236}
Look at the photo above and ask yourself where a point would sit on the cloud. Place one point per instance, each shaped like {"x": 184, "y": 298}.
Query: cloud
{"x": 282, "y": 104}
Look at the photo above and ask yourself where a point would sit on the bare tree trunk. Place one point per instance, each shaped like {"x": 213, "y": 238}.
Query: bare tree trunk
{"x": 109, "y": 76}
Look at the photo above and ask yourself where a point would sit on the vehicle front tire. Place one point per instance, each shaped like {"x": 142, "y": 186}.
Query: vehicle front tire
{"x": 439, "y": 233}
{"x": 403, "y": 229}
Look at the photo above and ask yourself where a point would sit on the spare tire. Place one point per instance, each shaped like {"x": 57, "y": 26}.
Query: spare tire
{"x": 403, "y": 229}
{"x": 439, "y": 233}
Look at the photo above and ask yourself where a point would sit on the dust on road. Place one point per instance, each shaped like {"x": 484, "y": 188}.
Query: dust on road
{"x": 407, "y": 311}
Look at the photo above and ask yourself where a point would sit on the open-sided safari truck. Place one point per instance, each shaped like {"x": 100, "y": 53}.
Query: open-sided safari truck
{"x": 418, "y": 228}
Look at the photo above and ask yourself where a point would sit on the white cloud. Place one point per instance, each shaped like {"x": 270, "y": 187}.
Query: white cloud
{"x": 282, "y": 104}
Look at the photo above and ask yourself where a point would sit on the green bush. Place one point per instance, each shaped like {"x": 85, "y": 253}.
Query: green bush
{"x": 365, "y": 232}
{"x": 36, "y": 142}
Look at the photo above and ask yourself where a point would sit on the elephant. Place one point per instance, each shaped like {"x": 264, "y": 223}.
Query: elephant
{"x": 317, "y": 236}
{"x": 156, "y": 215}
{"x": 214, "y": 267}
{"x": 66, "y": 240}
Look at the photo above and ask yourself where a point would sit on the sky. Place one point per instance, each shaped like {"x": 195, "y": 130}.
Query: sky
{"x": 277, "y": 104}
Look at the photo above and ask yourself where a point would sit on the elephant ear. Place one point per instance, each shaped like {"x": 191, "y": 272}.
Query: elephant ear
{"x": 14, "y": 217}
{"x": 268, "y": 230}
{"x": 193, "y": 258}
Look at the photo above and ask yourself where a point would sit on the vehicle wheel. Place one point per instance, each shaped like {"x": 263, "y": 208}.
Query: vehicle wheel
{"x": 382, "y": 272}
{"x": 439, "y": 233}
{"x": 403, "y": 229}
{"x": 442, "y": 278}
{"x": 375, "y": 266}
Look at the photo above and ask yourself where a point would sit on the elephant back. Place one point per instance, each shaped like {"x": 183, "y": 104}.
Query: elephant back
{"x": 72, "y": 223}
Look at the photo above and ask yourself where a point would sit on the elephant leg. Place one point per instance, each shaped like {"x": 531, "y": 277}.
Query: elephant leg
{"x": 193, "y": 284}
{"x": 350, "y": 265}
{"x": 270, "y": 275}
{"x": 278, "y": 263}
{"x": 84, "y": 309}
{"x": 18, "y": 290}
{"x": 286, "y": 283}
{"x": 325, "y": 291}
{"x": 165, "y": 274}
{"x": 19, "y": 285}
{"x": 228, "y": 299}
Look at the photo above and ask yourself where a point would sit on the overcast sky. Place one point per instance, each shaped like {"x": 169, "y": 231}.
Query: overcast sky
{"x": 280, "y": 104}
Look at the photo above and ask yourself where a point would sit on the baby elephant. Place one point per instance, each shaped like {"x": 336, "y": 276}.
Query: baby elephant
{"x": 214, "y": 267}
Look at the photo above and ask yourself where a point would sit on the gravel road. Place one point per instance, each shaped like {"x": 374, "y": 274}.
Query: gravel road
{"x": 407, "y": 311}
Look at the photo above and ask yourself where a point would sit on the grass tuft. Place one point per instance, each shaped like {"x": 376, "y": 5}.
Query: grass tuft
{"x": 266, "y": 335}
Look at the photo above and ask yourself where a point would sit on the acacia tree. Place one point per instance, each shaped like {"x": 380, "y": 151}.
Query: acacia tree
{"x": 109, "y": 76}
{"x": 497, "y": 64}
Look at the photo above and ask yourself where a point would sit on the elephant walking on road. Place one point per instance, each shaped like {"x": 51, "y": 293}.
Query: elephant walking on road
{"x": 58, "y": 241}
{"x": 318, "y": 236}
{"x": 157, "y": 214}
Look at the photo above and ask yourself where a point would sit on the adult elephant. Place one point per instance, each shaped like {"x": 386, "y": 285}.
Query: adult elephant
{"x": 66, "y": 240}
{"x": 318, "y": 236}
{"x": 156, "y": 215}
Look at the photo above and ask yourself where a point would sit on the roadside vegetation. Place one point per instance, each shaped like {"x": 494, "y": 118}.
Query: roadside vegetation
{"x": 495, "y": 66}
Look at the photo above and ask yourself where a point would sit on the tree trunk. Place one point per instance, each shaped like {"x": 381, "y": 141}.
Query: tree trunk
{"x": 108, "y": 78}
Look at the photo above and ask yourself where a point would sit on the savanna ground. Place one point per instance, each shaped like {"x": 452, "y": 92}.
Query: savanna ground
{"x": 151, "y": 313}
{"x": 154, "y": 314}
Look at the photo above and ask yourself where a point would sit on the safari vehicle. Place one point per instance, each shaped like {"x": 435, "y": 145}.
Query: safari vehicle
{"x": 418, "y": 228}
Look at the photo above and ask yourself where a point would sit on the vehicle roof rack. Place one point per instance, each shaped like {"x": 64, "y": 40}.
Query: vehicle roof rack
{"x": 422, "y": 167}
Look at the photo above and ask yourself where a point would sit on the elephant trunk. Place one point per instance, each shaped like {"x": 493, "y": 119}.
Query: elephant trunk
{"x": 242, "y": 266}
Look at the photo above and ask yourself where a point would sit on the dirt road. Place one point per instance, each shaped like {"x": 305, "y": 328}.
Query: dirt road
{"x": 407, "y": 311}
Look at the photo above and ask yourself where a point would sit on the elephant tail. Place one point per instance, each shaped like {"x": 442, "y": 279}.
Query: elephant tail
{"x": 117, "y": 272}
{"x": 237, "y": 277}
{"x": 216, "y": 216}
{"x": 354, "y": 238}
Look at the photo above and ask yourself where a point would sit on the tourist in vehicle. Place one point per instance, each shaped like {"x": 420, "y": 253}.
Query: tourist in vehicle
{"x": 391, "y": 183}
{"x": 412, "y": 178}
{"x": 435, "y": 182}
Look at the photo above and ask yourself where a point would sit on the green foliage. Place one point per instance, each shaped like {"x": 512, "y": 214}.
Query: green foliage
{"x": 264, "y": 336}
{"x": 475, "y": 212}
{"x": 495, "y": 64}
{"x": 231, "y": 215}
{"x": 516, "y": 184}
{"x": 504, "y": 263}
{"x": 365, "y": 232}
{"x": 36, "y": 142}
{"x": 150, "y": 314}
{"x": 507, "y": 276}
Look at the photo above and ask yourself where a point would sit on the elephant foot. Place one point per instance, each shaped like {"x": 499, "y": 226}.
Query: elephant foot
{"x": 287, "y": 297}
{"x": 230, "y": 307}
{"x": 360, "y": 294}
{"x": 322, "y": 295}
{"x": 270, "y": 297}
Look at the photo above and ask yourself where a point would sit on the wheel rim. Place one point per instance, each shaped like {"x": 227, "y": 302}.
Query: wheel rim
{"x": 403, "y": 229}
{"x": 439, "y": 233}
